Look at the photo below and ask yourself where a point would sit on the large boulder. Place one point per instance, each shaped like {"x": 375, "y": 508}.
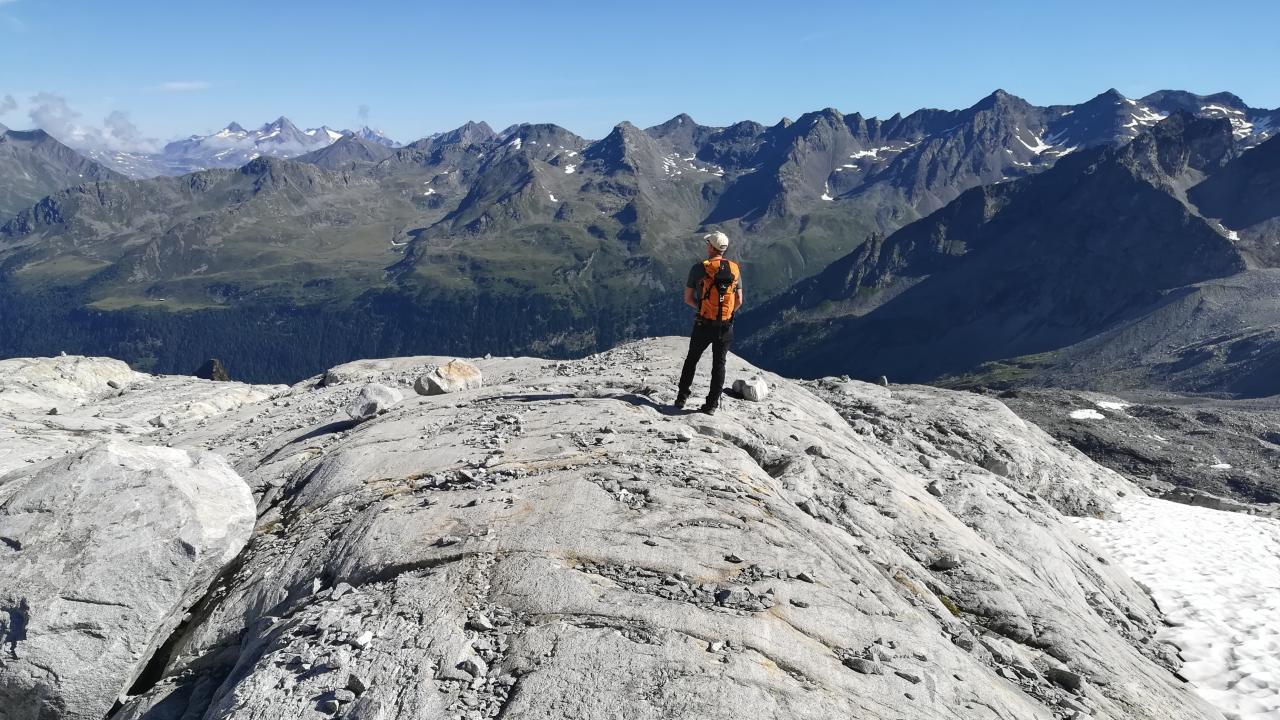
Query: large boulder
{"x": 102, "y": 554}
{"x": 453, "y": 376}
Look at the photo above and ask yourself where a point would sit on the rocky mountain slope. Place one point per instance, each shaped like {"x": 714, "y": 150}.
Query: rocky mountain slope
{"x": 34, "y": 165}
{"x": 1202, "y": 450}
{"x": 558, "y": 543}
{"x": 1123, "y": 267}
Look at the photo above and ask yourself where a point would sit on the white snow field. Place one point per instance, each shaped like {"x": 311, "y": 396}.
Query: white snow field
{"x": 1216, "y": 575}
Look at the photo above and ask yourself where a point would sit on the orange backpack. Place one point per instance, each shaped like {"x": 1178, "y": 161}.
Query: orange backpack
{"x": 719, "y": 292}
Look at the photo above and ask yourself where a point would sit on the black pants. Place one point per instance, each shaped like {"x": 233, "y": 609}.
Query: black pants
{"x": 718, "y": 336}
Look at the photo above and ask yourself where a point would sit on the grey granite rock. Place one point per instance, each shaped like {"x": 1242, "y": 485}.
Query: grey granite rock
{"x": 374, "y": 399}
{"x": 103, "y": 553}
{"x": 547, "y": 601}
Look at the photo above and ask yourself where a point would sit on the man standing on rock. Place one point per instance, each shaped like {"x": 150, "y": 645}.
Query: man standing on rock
{"x": 714, "y": 291}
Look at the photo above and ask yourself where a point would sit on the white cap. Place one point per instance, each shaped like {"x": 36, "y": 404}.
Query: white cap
{"x": 717, "y": 240}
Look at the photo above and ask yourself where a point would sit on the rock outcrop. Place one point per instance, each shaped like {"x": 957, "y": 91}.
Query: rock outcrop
{"x": 561, "y": 543}
{"x": 99, "y": 399}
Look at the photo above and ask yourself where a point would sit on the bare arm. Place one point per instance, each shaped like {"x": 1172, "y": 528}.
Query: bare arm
{"x": 738, "y": 306}
{"x": 688, "y": 298}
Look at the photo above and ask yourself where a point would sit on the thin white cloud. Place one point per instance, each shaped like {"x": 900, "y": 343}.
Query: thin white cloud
{"x": 182, "y": 86}
{"x": 52, "y": 113}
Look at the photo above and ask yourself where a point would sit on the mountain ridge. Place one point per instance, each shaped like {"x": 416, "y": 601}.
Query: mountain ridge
{"x": 593, "y": 236}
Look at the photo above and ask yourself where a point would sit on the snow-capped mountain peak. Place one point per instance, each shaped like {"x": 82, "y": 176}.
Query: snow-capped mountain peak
{"x": 371, "y": 135}
{"x": 233, "y": 146}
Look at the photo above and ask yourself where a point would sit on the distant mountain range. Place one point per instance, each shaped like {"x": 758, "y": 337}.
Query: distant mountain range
{"x": 534, "y": 239}
{"x": 232, "y": 146}
{"x": 1154, "y": 264}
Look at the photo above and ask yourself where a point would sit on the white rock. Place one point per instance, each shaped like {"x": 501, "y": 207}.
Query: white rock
{"x": 374, "y": 399}
{"x": 754, "y": 389}
{"x": 104, "y": 552}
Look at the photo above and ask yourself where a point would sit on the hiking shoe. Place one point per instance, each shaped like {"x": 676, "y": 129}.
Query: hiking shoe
{"x": 707, "y": 409}
{"x": 680, "y": 401}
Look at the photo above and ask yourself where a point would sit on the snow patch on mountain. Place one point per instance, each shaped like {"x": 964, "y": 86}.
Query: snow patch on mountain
{"x": 1039, "y": 147}
{"x": 1145, "y": 117}
{"x": 1216, "y": 575}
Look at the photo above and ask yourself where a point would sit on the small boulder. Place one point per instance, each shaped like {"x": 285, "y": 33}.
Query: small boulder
{"x": 908, "y": 676}
{"x": 374, "y": 399}
{"x": 1072, "y": 681}
{"x": 213, "y": 369}
{"x": 473, "y": 666}
{"x": 357, "y": 684}
{"x": 480, "y": 623}
{"x": 864, "y": 666}
{"x": 947, "y": 561}
{"x": 754, "y": 389}
{"x": 453, "y": 376}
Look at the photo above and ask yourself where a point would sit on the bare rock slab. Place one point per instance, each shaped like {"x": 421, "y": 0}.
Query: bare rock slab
{"x": 102, "y": 553}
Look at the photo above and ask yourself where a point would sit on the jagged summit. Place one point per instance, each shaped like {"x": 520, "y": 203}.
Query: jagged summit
{"x": 1000, "y": 98}
{"x": 626, "y": 148}
{"x": 468, "y": 133}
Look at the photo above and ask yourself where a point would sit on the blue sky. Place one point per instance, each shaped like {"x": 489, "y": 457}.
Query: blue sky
{"x": 175, "y": 68}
